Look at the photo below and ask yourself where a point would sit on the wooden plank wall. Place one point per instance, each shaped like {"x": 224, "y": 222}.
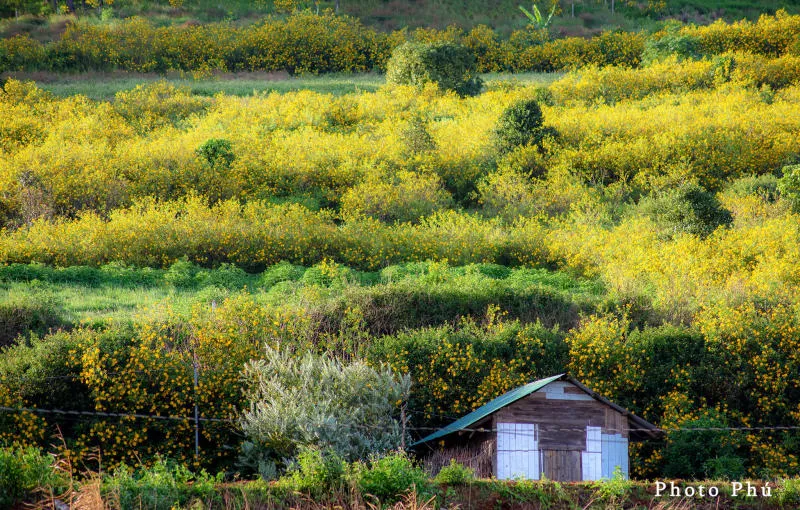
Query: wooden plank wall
{"x": 562, "y": 423}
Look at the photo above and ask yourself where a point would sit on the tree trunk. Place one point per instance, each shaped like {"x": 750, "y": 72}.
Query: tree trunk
{"x": 612, "y": 6}
{"x": 337, "y": 6}
{"x": 573, "y": 8}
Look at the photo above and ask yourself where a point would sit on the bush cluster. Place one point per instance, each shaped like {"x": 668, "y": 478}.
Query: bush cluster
{"x": 450, "y": 66}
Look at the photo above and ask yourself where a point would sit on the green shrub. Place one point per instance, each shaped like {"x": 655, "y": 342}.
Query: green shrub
{"x": 181, "y": 273}
{"x": 508, "y": 194}
{"x": 151, "y": 106}
{"x": 416, "y": 137}
{"x": 612, "y": 491}
{"x": 281, "y": 272}
{"x": 316, "y": 472}
{"x": 163, "y": 486}
{"x": 703, "y": 454}
{"x": 217, "y": 152}
{"x": 789, "y": 186}
{"x": 26, "y": 474}
{"x": 35, "y": 312}
{"x": 671, "y": 42}
{"x": 455, "y": 474}
{"x": 309, "y": 400}
{"x": 764, "y": 187}
{"x": 687, "y": 209}
{"x": 389, "y": 477}
{"x": 788, "y": 492}
{"x": 226, "y": 276}
{"x": 521, "y": 124}
{"x": 449, "y": 65}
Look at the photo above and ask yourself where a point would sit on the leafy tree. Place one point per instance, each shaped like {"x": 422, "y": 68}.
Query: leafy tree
{"x": 316, "y": 401}
{"x": 521, "y": 124}
{"x": 451, "y": 66}
{"x": 686, "y": 209}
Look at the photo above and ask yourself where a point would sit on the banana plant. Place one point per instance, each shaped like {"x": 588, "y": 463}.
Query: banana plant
{"x": 536, "y": 19}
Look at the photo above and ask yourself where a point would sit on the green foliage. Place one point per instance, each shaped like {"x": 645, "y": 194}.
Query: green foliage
{"x": 788, "y": 492}
{"x": 312, "y": 400}
{"x": 416, "y": 136}
{"x": 521, "y": 124}
{"x": 165, "y": 485}
{"x": 455, "y": 474}
{"x": 217, "y": 152}
{"x": 281, "y": 272}
{"x": 316, "y": 472}
{"x": 226, "y": 276}
{"x": 687, "y": 209}
{"x": 21, "y": 315}
{"x": 789, "y": 186}
{"x": 671, "y": 42}
{"x": 391, "y": 476}
{"x": 450, "y": 66}
{"x": 703, "y": 454}
{"x": 613, "y": 491}
{"x": 26, "y": 472}
{"x": 765, "y": 187}
{"x": 181, "y": 273}
{"x": 461, "y": 368}
{"x": 536, "y": 19}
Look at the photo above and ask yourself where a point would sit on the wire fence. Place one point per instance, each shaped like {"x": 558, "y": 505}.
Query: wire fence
{"x": 102, "y": 414}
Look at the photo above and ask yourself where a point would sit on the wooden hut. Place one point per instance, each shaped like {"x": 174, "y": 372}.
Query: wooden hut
{"x": 555, "y": 426}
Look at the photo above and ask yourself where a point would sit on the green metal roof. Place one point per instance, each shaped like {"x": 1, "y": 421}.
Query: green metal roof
{"x": 489, "y": 408}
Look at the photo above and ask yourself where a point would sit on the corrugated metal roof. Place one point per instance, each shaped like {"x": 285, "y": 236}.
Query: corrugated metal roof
{"x": 489, "y": 408}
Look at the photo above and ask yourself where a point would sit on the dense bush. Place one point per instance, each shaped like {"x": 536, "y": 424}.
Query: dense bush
{"x": 390, "y": 476}
{"x": 164, "y": 485}
{"x": 450, "y": 66}
{"x": 789, "y": 186}
{"x": 316, "y": 472}
{"x": 24, "y": 472}
{"x": 455, "y": 474}
{"x": 688, "y": 209}
{"x": 315, "y": 401}
{"x": 460, "y": 368}
{"x": 32, "y": 313}
{"x": 671, "y": 42}
{"x": 521, "y": 124}
{"x": 306, "y": 42}
{"x": 703, "y": 454}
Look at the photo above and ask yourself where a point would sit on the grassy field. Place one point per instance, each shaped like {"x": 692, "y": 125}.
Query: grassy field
{"x": 103, "y": 86}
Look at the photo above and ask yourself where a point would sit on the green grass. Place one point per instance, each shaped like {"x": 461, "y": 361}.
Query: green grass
{"x": 103, "y": 86}
{"x": 84, "y": 295}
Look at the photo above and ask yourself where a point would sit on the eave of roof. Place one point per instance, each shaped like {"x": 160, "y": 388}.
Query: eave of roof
{"x": 644, "y": 428}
